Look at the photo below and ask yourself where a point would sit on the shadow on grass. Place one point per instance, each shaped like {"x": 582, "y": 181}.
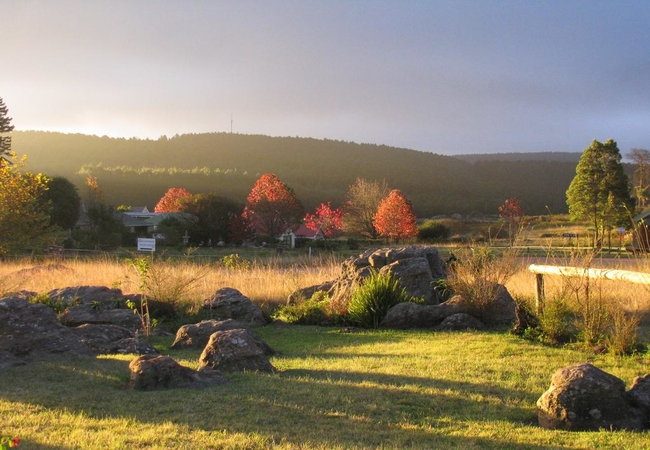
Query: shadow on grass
{"x": 299, "y": 407}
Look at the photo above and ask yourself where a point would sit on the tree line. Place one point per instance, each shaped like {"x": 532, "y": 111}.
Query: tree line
{"x": 139, "y": 171}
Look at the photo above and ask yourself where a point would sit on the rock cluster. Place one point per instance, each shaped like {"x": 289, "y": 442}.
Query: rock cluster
{"x": 94, "y": 320}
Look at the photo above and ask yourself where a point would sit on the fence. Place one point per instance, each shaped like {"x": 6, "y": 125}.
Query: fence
{"x": 609, "y": 274}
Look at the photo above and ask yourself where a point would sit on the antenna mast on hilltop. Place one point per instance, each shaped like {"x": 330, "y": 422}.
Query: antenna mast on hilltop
{"x": 230, "y": 123}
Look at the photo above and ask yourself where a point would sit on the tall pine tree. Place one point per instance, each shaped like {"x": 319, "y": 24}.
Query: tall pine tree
{"x": 600, "y": 191}
{"x": 5, "y": 129}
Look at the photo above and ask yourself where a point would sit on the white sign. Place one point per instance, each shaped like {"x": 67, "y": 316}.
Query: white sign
{"x": 146, "y": 245}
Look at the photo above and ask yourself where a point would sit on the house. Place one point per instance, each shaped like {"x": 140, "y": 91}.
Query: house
{"x": 136, "y": 220}
{"x": 302, "y": 234}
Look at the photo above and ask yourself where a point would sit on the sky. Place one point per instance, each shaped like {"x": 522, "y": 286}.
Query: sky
{"x": 449, "y": 77}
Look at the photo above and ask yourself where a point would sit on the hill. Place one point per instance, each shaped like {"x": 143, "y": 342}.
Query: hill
{"x": 138, "y": 172}
{"x": 515, "y": 157}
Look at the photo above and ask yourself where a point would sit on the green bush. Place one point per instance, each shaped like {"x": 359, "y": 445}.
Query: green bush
{"x": 371, "y": 301}
{"x": 432, "y": 230}
{"x": 235, "y": 262}
{"x": 557, "y": 322}
{"x": 314, "y": 311}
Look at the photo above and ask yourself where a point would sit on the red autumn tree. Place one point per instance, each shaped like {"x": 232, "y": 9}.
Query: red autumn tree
{"x": 326, "y": 218}
{"x": 272, "y": 206}
{"x": 395, "y": 218}
{"x": 512, "y": 212}
{"x": 171, "y": 201}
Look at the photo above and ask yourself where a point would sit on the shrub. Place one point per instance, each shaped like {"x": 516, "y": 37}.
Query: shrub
{"x": 432, "y": 230}
{"x": 236, "y": 262}
{"x": 314, "y": 311}
{"x": 622, "y": 338}
{"x": 476, "y": 275}
{"x": 557, "y": 321}
{"x": 371, "y": 300}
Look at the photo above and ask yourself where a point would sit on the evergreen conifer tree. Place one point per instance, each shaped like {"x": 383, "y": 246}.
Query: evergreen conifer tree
{"x": 5, "y": 129}
{"x": 600, "y": 191}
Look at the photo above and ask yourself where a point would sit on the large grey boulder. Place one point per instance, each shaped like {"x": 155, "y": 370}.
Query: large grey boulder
{"x": 197, "y": 335}
{"x": 229, "y": 303}
{"x": 150, "y": 372}
{"x": 417, "y": 268}
{"x": 413, "y": 315}
{"x": 502, "y": 308}
{"x": 85, "y": 294}
{"x": 32, "y": 331}
{"x": 100, "y": 314}
{"x": 112, "y": 339}
{"x": 460, "y": 322}
{"x": 236, "y": 351}
{"x": 582, "y": 397}
{"x": 639, "y": 393}
{"x": 96, "y": 305}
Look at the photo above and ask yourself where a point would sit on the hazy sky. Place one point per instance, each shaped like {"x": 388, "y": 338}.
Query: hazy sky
{"x": 448, "y": 77}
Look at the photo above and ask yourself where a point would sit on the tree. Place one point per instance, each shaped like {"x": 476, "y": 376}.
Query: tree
{"x": 641, "y": 158}
{"x": 512, "y": 212}
{"x": 272, "y": 207}
{"x": 5, "y": 129}
{"x": 24, "y": 219}
{"x": 600, "y": 190}
{"x": 171, "y": 201}
{"x": 362, "y": 200}
{"x": 64, "y": 202}
{"x": 395, "y": 218}
{"x": 325, "y": 218}
{"x": 209, "y": 217}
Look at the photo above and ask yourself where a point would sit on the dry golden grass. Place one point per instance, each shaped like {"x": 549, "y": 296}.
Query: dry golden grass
{"x": 265, "y": 282}
{"x": 633, "y": 297}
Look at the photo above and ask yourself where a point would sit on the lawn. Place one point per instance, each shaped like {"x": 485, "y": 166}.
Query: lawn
{"x": 372, "y": 389}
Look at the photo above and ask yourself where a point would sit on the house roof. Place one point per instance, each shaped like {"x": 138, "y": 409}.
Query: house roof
{"x": 306, "y": 232}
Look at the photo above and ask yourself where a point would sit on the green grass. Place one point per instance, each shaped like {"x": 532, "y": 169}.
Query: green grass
{"x": 373, "y": 389}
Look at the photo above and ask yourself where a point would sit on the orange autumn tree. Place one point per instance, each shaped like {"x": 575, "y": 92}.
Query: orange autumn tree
{"x": 171, "y": 202}
{"x": 395, "y": 218}
{"x": 326, "y": 218}
{"x": 272, "y": 207}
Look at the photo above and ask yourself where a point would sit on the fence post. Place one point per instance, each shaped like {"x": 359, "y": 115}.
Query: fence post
{"x": 539, "y": 290}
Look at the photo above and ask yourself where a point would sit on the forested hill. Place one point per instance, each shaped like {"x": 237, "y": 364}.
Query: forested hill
{"x": 514, "y": 157}
{"x": 138, "y": 172}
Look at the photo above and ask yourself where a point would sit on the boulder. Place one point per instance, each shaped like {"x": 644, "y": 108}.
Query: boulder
{"x": 460, "y": 322}
{"x": 112, "y": 339}
{"x": 415, "y": 277}
{"x": 32, "y": 331}
{"x": 102, "y": 313}
{"x": 417, "y": 268}
{"x": 639, "y": 393}
{"x": 503, "y": 310}
{"x": 583, "y": 397}
{"x": 77, "y": 295}
{"x": 96, "y": 305}
{"x": 229, "y": 303}
{"x": 413, "y": 315}
{"x": 236, "y": 351}
{"x": 150, "y": 372}
{"x": 197, "y": 335}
